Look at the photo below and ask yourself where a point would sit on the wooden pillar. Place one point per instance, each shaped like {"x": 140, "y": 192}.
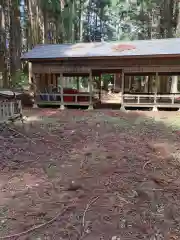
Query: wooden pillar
{"x": 42, "y": 82}
{"x": 115, "y": 76}
{"x": 99, "y": 86}
{"x": 49, "y": 85}
{"x": 54, "y": 81}
{"x": 35, "y": 83}
{"x": 146, "y": 84}
{"x": 155, "y": 109}
{"x": 91, "y": 91}
{"x": 62, "y": 91}
{"x": 122, "y": 91}
{"x": 130, "y": 80}
{"x": 30, "y": 72}
{"x": 1, "y": 80}
{"x": 77, "y": 82}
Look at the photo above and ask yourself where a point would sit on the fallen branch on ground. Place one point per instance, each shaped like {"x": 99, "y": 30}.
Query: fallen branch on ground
{"x": 38, "y": 226}
{"x": 83, "y": 231}
{"x": 21, "y": 134}
{"x": 148, "y": 162}
{"x": 92, "y": 201}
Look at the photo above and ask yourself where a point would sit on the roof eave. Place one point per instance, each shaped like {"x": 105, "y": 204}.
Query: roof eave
{"x": 100, "y": 57}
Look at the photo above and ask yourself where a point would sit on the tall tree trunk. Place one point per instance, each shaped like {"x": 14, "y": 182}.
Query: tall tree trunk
{"x": 29, "y": 23}
{"x": 2, "y": 46}
{"x": 71, "y": 21}
{"x": 15, "y": 43}
{"x": 7, "y": 10}
{"x": 46, "y": 37}
{"x": 174, "y": 8}
{"x": 177, "y": 18}
{"x": 59, "y": 26}
{"x": 80, "y": 20}
{"x": 169, "y": 14}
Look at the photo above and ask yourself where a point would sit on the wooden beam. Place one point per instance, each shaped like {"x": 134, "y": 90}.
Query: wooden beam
{"x": 115, "y": 76}
{"x": 49, "y": 81}
{"x": 83, "y": 67}
{"x": 42, "y": 82}
{"x": 122, "y": 90}
{"x": 62, "y": 91}
{"x": 100, "y": 88}
{"x": 65, "y": 69}
{"x": 130, "y": 80}
{"x": 155, "y": 109}
{"x": 91, "y": 91}
{"x": 30, "y": 72}
{"x": 77, "y": 81}
{"x": 36, "y": 79}
{"x": 54, "y": 81}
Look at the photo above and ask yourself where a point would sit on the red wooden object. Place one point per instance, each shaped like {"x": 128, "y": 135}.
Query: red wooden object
{"x": 123, "y": 47}
{"x": 73, "y": 98}
{"x": 69, "y": 91}
{"x": 83, "y": 98}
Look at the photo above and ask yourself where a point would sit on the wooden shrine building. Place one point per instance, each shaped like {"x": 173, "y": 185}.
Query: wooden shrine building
{"x": 155, "y": 61}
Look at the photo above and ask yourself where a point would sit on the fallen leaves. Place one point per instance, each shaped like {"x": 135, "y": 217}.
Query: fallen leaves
{"x": 108, "y": 154}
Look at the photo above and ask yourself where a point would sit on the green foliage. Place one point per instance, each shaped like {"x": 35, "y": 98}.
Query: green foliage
{"x": 20, "y": 80}
{"x": 52, "y": 6}
{"x": 106, "y": 79}
{"x": 69, "y": 21}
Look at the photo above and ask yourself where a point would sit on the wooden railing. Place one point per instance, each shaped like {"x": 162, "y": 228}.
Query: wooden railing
{"x": 68, "y": 99}
{"x": 10, "y": 110}
{"x": 151, "y": 99}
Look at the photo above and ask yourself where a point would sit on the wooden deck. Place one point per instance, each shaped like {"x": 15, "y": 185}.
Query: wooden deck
{"x": 129, "y": 100}
{"x": 151, "y": 100}
{"x": 68, "y": 99}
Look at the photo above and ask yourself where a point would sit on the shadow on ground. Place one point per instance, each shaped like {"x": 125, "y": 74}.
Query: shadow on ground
{"x": 129, "y": 160}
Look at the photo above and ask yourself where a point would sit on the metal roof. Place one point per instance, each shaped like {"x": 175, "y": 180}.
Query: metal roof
{"x": 105, "y": 49}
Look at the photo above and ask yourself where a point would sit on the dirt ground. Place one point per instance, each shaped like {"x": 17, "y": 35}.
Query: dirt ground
{"x": 116, "y": 175}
